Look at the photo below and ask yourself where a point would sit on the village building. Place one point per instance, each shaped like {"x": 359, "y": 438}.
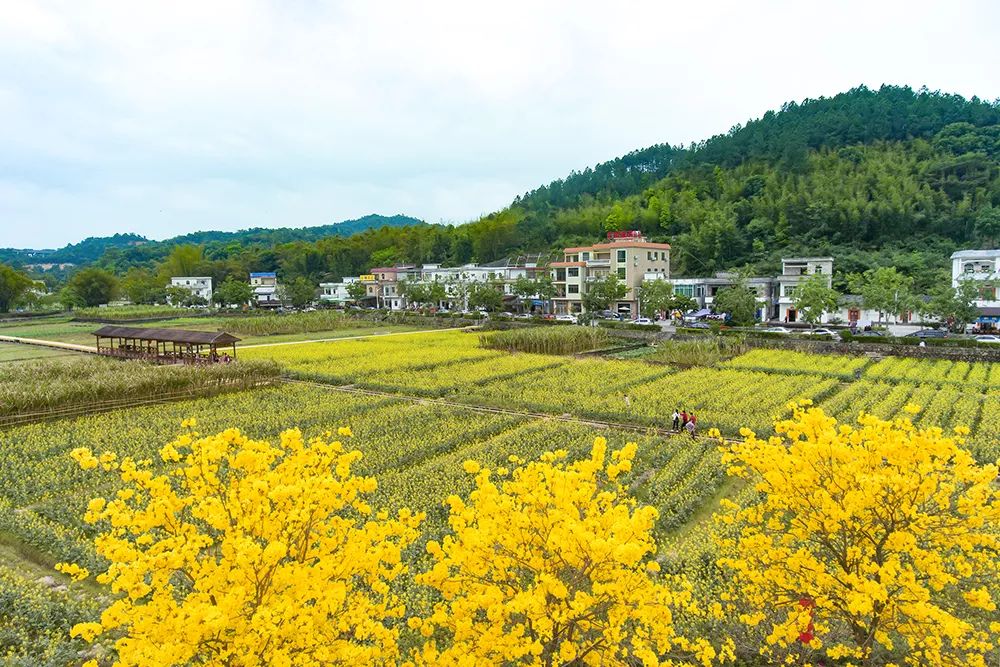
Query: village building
{"x": 265, "y": 289}
{"x": 626, "y": 254}
{"x": 199, "y": 286}
{"x": 983, "y": 267}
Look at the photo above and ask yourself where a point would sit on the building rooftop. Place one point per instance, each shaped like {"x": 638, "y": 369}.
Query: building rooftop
{"x": 976, "y": 254}
{"x": 806, "y": 259}
{"x": 264, "y": 274}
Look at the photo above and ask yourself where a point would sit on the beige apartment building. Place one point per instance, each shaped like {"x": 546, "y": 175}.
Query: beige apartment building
{"x": 627, "y": 254}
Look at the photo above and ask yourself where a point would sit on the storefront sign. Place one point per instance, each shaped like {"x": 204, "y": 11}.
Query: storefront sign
{"x": 631, "y": 234}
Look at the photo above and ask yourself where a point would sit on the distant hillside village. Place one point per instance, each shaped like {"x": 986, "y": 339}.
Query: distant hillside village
{"x": 636, "y": 266}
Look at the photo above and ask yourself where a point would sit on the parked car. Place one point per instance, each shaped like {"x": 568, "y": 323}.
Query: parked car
{"x": 642, "y": 320}
{"x": 566, "y": 318}
{"x": 987, "y": 338}
{"x": 870, "y": 333}
{"x": 523, "y": 316}
{"x": 822, "y": 332}
{"x": 698, "y": 325}
{"x": 778, "y": 330}
{"x": 928, "y": 333}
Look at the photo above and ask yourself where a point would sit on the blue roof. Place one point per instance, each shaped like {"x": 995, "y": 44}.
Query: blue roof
{"x": 265, "y": 274}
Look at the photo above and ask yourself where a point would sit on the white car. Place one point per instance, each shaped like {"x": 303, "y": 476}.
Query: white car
{"x": 987, "y": 338}
{"x": 566, "y": 318}
{"x": 642, "y": 320}
{"x": 778, "y": 330}
{"x": 822, "y": 332}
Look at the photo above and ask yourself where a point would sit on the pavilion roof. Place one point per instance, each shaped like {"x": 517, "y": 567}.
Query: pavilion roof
{"x": 168, "y": 335}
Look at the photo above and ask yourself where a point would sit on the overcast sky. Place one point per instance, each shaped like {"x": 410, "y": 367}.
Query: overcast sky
{"x": 166, "y": 117}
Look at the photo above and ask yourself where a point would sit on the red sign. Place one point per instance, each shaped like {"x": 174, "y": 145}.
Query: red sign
{"x": 631, "y": 234}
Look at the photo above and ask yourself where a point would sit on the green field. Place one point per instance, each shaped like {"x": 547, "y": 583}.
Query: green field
{"x": 10, "y": 352}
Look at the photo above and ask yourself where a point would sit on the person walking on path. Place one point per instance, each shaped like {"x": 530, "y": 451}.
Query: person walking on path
{"x": 690, "y": 428}
{"x": 684, "y": 418}
{"x": 677, "y": 421}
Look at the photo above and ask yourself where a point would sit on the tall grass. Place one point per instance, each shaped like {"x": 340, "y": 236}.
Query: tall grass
{"x": 292, "y": 323}
{"x": 547, "y": 340}
{"x": 697, "y": 352}
{"x": 43, "y": 386}
{"x": 133, "y": 312}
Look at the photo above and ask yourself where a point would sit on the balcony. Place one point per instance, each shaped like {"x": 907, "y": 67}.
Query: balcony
{"x": 598, "y": 263}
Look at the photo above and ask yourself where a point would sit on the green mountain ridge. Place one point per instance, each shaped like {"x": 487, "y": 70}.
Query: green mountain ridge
{"x": 93, "y": 249}
{"x": 887, "y": 177}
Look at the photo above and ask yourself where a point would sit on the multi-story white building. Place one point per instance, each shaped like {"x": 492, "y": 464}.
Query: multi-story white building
{"x": 265, "y": 288}
{"x": 795, "y": 270}
{"x": 775, "y": 295}
{"x": 983, "y": 267}
{"x": 704, "y": 290}
{"x": 627, "y": 254}
{"x": 336, "y": 292}
{"x": 387, "y": 291}
{"x": 199, "y": 286}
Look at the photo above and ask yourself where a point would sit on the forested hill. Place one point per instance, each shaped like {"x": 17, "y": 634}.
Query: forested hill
{"x": 887, "y": 176}
{"x": 872, "y": 177}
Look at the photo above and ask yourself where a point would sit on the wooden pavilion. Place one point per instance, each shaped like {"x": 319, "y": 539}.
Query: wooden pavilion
{"x": 166, "y": 346}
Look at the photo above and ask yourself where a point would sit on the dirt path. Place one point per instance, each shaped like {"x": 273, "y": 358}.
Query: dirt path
{"x": 48, "y": 343}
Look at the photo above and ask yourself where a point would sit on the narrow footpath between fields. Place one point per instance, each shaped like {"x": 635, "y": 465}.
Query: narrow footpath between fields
{"x": 565, "y": 417}
{"x": 48, "y": 343}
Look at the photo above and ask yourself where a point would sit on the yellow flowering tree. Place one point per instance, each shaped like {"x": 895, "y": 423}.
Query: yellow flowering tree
{"x": 869, "y": 543}
{"x": 552, "y": 564}
{"x": 245, "y": 552}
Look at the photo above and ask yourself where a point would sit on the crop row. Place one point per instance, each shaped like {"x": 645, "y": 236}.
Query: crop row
{"x": 27, "y": 388}
{"x": 936, "y": 371}
{"x": 784, "y": 361}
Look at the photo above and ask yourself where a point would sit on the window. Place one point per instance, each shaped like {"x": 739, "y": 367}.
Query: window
{"x": 573, "y": 272}
{"x": 621, "y": 272}
{"x": 560, "y": 275}
{"x": 572, "y": 289}
{"x": 970, "y": 267}
{"x": 586, "y": 256}
{"x": 686, "y": 290}
{"x": 818, "y": 269}
{"x": 622, "y": 257}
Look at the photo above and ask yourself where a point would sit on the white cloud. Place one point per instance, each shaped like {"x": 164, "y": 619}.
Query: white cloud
{"x": 164, "y": 117}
